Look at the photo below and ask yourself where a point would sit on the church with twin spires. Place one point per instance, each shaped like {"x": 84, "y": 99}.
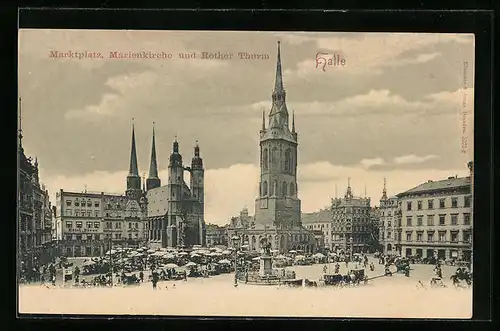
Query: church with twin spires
{"x": 277, "y": 208}
{"x": 174, "y": 213}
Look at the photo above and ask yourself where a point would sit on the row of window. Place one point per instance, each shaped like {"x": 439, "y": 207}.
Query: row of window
{"x": 350, "y": 210}
{"x": 83, "y": 213}
{"x": 118, "y": 225}
{"x": 284, "y": 190}
{"x": 442, "y": 203}
{"x": 79, "y": 225}
{"x": 341, "y": 237}
{"x": 337, "y": 228}
{"x": 82, "y": 203}
{"x": 275, "y": 159}
{"x": 84, "y": 237}
{"x": 442, "y": 220}
{"x": 442, "y": 236}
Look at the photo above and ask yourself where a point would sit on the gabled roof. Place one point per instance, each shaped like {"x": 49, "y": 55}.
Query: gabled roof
{"x": 322, "y": 216}
{"x": 447, "y": 184}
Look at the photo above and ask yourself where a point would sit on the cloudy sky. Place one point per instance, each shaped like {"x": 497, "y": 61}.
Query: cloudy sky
{"x": 395, "y": 109}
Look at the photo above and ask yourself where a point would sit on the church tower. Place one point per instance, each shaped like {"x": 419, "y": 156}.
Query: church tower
{"x": 133, "y": 179}
{"x": 278, "y": 202}
{"x": 175, "y": 183}
{"x": 153, "y": 180}
{"x": 197, "y": 190}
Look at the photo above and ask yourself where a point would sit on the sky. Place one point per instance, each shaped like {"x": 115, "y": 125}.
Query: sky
{"x": 400, "y": 108}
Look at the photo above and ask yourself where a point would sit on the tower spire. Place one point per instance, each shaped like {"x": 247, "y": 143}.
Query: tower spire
{"x": 153, "y": 180}
{"x": 278, "y": 117}
{"x": 153, "y": 166}
{"x": 384, "y": 191}
{"x": 133, "y": 169}
{"x": 263, "y": 119}
{"x": 349, "y": 191}
{"x": 293, "y": 122}
{"x": 278, "y": 83}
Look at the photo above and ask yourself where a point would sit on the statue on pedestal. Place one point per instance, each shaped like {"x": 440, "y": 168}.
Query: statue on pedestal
{"x": 266, "y": 246}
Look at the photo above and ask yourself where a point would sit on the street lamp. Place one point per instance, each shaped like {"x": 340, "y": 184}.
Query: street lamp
{"x": 235, "y": 240}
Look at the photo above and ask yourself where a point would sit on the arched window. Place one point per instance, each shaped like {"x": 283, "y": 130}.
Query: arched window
{"x": 284, "y": 190}
{"x": 264, "y": 188}
{"x": 275, "y": 156}
{"x": 265, "y": 160}
{"x": 292, "y": 190}
{"x": 275, "y": 188}
{"x": 288, "y": 160}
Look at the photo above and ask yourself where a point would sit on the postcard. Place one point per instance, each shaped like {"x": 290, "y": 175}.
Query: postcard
{"x": 245, "y": 173}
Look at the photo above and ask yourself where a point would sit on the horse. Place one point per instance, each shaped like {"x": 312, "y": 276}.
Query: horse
{"x": 461, "y": 275}
{"x": 309, "y": 283}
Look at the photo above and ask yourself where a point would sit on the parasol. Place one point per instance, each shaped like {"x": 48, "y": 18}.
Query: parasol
{"x": 191, "y": 264}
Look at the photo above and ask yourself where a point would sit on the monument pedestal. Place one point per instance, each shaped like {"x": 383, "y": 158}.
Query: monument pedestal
{"x": 266, "y": 266}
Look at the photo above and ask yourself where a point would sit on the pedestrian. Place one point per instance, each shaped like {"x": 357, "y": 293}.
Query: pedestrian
{"x": 141, "y": 276}
{"x": 155, "y": 279}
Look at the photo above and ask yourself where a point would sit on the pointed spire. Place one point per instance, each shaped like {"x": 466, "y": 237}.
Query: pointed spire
{"x": 133, "y": 170}
{"x": 293, "y": 122}
{"x": 153, "y": 166}
{"x": 384, "y": 191}
{"x": 263, "y": 119}
{"x": 197, "y": 149}
{"x": 144, "y": 182}
{"x": 278, "y": 83}
{"x": 20, "y": 121}
{"x": 176, "y": 145}
{"x": 349, "y": 191}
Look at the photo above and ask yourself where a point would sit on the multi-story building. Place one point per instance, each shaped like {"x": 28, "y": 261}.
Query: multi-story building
{"x": 436, "y": 219}
{"x": 374, "y": 230}
{"x": 389, "y": 224}
{"x": 216, "y": 235}
{"x": 278, "y": 207}
{"x": 35, "y": 245}
{"x": 320, "y": 221}
{"x": 351, "y": 223}
{"x": 90, "y": 223}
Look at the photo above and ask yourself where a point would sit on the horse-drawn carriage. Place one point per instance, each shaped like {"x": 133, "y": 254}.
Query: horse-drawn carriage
{"x": 357, "y": 276}
{"x": 401, "y": 265}
{"x": 334, "y": 280}
{"x": 462, "y": 274}
{"x": 130, "y": 279}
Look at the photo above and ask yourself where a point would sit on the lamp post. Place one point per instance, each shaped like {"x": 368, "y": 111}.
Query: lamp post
{"x": 235, "y": 240}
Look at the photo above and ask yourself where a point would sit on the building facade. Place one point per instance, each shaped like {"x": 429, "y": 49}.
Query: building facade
{"x": 320, "y": 221}
{"x": 277, "y": 208}
{"x": 89, "y": 224}
{"x": 436, "y": 219}
{"x": 389, "y": 224}
{"x": 351, "y": 223}
{"x": 216, "y": 235}
{"x": 35, "y": 246}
